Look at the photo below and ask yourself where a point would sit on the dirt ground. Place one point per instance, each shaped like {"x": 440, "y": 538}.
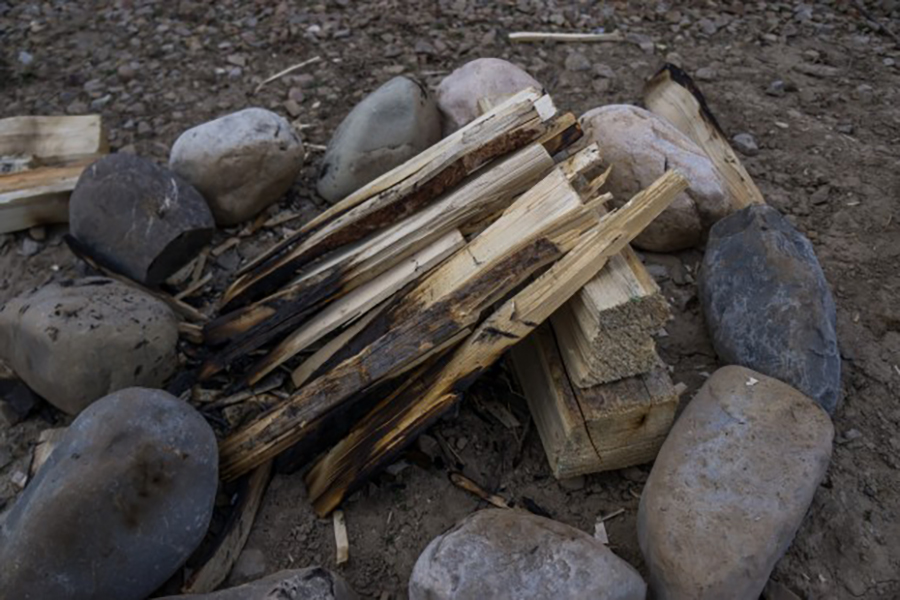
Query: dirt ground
{"x": 828, "y": 158}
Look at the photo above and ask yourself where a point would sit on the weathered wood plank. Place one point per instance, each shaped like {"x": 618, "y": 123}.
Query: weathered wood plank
{"x": 53, "y": 140}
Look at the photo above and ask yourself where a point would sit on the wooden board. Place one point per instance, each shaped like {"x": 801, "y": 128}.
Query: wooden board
{"x": 53, "y": 140}
{"x": 395, "y": 422}
{"x": 37, "y": 197}
{"x": 610, "y": 426}
{"x": 672, "y": 94}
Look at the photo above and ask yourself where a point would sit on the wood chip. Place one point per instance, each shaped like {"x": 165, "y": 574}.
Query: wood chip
{"x": 225, "y": 246}
{"x": 341, "y": 541}
{"x": 194, "y": 287}
{"x": 463, "y": 482}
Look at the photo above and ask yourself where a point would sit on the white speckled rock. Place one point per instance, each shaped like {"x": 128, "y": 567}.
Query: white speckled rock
{"x": 74, "y": 343}
{"x": 489, "y": 78}
{"x": 387, "y": 128}
{"x": 510, "y": 554}
{"x": 120, "y": 504}
{"x": 241, "y": 163}
{"x": 640, "y": 146}
{"x": 730, "y": 487}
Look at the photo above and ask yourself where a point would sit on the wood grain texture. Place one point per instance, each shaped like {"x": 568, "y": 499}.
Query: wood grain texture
{"x": 53, "y": 140}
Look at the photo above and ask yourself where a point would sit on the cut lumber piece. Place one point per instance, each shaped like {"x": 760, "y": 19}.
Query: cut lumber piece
{"x": 537, "y": 229}
{"x": 37, "y": 197}
{"x": 53, "y": 140}
{"x": 343, "y": 270}
{"x": 357, "y": 302}
{"x": 395, "y": 422}
{"x": 601, "y": 428}
{"x": 400, "y": 192}
{"x": 606, "y": 330}
{"x": 672, "y": 94}
{"x": 234, "y": 537}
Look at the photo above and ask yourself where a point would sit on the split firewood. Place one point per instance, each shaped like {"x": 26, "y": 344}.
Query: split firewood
{"x": 537, "y": 229}
{"x": 37, "y": 197}
{"x": 399, "y": 192}
{"x": 674, "y": 96}
{"x": 601, "y": 428}
{"x": 234, "y": 537}
{"x": 606, "y": 330}
{"x": 396, "y": 421}
{"x": 341, "y": 272}
{"x": 54, "y": 140}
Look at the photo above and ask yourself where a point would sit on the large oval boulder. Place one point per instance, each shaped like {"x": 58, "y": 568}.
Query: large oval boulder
{"x": 640, "y": 147}
{"x": 501, "y": 554}
{"x": 241, "y": 163}
{"x": 730, "y": 487}
{"x": 78, "y": 341}
{"x": 767, "y": 304}
{"x": 140, "y": 219}
{"x": 312, "y": 583}
{"x": 491, "y": 79}
{"x": 121, "y": 503}
{"x": 387, "y": 128}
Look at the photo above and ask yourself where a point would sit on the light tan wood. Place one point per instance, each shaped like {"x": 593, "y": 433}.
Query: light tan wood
{"x": 47, "y": 442}
{"x": 401, "y": 191}
{"x": 37, "y": 197}
{"x": 606, "y": 427}
{"x": 539, "y": 227}
{"x": 549, "y": 36}
{"x": 606, "y": 331}
{"x": 237, "y": 530}
{"x": 341, "y": 539}
{"x": 357, "y": 302}
{"x": 53, "y": 139}
{"x": 672, "y": 95}
{"x": 395, "y": 422}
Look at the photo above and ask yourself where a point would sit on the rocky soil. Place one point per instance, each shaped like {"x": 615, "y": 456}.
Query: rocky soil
{"x": 815, "y": 86}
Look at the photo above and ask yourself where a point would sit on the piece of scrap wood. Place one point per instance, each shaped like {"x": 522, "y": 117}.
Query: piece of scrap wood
{"x": 463, "y": 482}
{"x": 341, "y": 541}
{"x": 287, "y": 71}
{"x": 47, "y": 442}
{"x": 543, "y": 36}
{"x": 237, "y": 530}
{"x": 194, "y": 287}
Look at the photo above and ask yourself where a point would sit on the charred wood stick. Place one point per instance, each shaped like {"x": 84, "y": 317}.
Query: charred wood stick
{"x": 400, "y": 192}
{"x": 352, "y": 266}
{"x": 393, "y": 424}
{"x": 537, "y": 229}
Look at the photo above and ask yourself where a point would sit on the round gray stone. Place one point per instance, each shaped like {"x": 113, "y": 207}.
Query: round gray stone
{"x": 730, "y": 487}
{"x": 767, "y": 304}
{"x": 241, "y": 163}
{"x": 119, "y": 505}
{"x": 510, "y": 554}
{"x": 387, "y": 128}
{"x": 75, "y": 342}
{"x": 137, "y": 218}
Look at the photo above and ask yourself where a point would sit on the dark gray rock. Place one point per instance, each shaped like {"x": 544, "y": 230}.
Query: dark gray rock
{"x": 119, "y": 505}
{"x": 502, "y": 554}
{"x": 767, "y": 304}
{"x": 745, "y": 144}
{"x": 140, "y": 219}
{"x": 313, "y": 583}
{"x": 241, "y": 163}
{"x": 75, "y": 342}
{"x": 387, "y": 128}
{"x": 730, "y": 487}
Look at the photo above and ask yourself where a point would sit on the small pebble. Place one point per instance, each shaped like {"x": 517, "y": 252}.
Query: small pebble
{"x": 705, "y": 74}
{"x": 576, "y": 61}
{"x": 26, "y": 58}
{"x": 30, "y": 247}
{"x": 745, "y": 143}
{"x": 776, "y": 88}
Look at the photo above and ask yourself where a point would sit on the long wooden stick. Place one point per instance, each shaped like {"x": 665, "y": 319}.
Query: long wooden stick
{"x": 545, "y": 36}
{"x": 400, "y": 192}
{"x": 388, "y": 428}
